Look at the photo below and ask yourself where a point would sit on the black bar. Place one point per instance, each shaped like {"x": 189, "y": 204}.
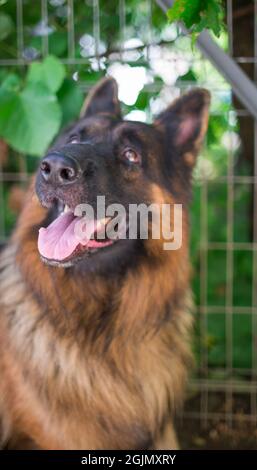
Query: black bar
{"x": 117, "y": 459}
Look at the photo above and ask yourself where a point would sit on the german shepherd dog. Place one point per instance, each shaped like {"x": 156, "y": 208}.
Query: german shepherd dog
{"x": 95, "y": 337}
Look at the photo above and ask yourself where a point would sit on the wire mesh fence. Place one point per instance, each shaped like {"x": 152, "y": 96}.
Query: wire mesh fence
{"x": 153, "y": 63}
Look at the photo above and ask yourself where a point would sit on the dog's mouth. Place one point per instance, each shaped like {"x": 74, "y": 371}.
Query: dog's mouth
{"x": 69, "y": 236}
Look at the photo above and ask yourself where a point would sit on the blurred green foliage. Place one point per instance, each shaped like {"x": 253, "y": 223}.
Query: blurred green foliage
{"x": 52, "y": 100}
{"x": 198, "y": 15}
{"x": 45, "y": 89}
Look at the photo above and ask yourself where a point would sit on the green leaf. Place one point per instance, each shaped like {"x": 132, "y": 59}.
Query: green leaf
{"x": 11, "y": 82}
{"x": 30, "y": 119}
{"x": 142, "y": 101}
{"x": 198, "y": 15}
{"x": 187, "y": 77}
{"x": 71, "y": 99}
{"x": 186, "y": 10}
{"x": 214, "y": 13}
{"x": 6, "y": 26}
{"x": 50, "y": 73}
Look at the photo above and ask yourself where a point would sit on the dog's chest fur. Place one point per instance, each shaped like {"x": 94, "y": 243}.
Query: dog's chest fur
{"x": 67, "y": 392}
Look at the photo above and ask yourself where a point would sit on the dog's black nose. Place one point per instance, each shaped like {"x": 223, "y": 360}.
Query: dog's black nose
{"x": 58, "y": 169}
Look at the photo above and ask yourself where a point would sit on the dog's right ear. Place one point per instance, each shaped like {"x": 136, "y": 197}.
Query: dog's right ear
{"x": 102, "y": 99}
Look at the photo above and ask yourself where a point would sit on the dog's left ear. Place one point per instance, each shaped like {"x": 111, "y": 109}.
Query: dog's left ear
{"x": 103, "y": 98}
{"x": 184, "y": 124}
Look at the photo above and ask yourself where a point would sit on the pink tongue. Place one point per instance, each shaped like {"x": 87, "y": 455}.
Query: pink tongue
{"x": 59, "y": 239}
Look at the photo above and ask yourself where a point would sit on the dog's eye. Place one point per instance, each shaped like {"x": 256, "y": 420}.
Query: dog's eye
{"x": 132, "y": 156}
{"x": 74, "y": 139}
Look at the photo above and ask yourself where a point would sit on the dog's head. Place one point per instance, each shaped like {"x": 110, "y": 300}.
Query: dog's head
{"x": 125, "y": 163}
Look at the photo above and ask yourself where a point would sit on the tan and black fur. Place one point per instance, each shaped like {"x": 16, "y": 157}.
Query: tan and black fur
{"x": 95, "y": 356}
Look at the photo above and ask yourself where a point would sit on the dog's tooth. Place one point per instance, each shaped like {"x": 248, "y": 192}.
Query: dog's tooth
{"x": 66, "y": 208}
{"x": 60, "y": 207}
